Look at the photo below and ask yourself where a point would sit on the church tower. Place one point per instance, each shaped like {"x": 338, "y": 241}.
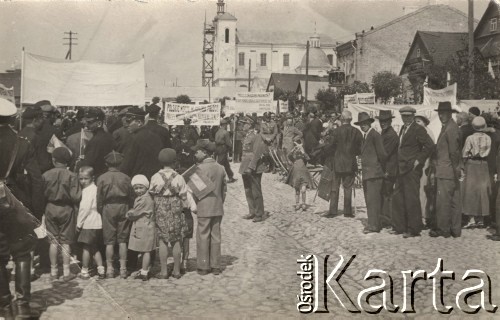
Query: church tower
{"x": 225, "y": 46}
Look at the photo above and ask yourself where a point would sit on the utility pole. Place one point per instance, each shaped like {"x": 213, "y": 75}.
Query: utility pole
{"x": 471, "y": 49}
{"x": 71, "y": 43}
{"x": 307, "y": 76}
{"x": 249, "y": 72}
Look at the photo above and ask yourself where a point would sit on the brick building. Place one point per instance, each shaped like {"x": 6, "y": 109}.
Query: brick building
{"x": 384, "y": 48}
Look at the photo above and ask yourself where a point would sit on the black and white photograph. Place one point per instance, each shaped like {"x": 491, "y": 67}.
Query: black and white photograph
{"x": 249, "y": 159}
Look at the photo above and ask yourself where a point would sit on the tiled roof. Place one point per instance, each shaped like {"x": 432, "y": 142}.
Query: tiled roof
{"x": 279, "y": 37}
{"x": 441, "y": 45}
{"x": 290, "y": 81}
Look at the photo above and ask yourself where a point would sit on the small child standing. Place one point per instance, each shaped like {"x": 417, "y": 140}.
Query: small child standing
{"x": 62, "y": 193}
{"x": 114, "y": 198}
{"x": 299, "y": 177}
{"x": 143, "y": 231}
{"x": 89, "y": 224}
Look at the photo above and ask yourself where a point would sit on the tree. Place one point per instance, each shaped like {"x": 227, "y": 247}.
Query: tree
{"x": 386, "y": 85}
{"x": 183, "y": 98}
{"x": 355, "y": 87}
{"x": 329, "y": 99}
{"x": 289, "y": 96}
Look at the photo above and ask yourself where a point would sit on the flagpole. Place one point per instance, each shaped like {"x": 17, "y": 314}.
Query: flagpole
{"x": 22, "y": 90}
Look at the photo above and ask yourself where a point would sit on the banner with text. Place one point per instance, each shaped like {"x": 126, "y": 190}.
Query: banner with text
{"x": 255, "y": 102}
{"x": 433, "y": 97}
{"x": 200, "y": 114}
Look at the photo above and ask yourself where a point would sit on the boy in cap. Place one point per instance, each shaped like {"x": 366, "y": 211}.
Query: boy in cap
{"x": 62, "y": 194}
{"x": 114, "y": 198}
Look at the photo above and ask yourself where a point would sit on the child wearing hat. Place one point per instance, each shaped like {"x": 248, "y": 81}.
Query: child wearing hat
{"x": 143, "y": 232}
{"x": 62, "y": 194}
{"x": 114, "y": 198}
{"x": 89, "y": 224}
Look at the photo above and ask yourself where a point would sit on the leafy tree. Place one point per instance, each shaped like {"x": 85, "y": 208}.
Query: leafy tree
{"x": 183, "y": 98}
{"x": 355, "y": 87}
{"x": 329, "y": 99}
{"x": 386, "y": 85}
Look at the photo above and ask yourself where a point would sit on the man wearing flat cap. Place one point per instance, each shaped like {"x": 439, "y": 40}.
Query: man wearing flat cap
{"x": 346, "y": 140}
{"x": 223, "y": 145}
{"x": 141, "y": 155}
{"x": 415, "y": 146}
{"x": 447, "y": 165}
{"x": 17, "y": 165}
{"x": 101, "y": 143}
{"x": 391, "y": 143}
{"x": 45, "y": 133}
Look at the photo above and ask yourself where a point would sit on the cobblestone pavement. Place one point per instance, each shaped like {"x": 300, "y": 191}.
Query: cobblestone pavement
{"x": 260, "y": 277}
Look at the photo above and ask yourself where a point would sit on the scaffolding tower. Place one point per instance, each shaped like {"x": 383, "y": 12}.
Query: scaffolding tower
{"x": 208, "y": 54}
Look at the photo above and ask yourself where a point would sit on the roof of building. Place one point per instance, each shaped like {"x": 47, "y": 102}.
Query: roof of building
{"x": 312, "y": 88}
{"x": 290, "y": 81}
{"x": 484, "y": 19}
{"x": 279, "y": 37}
{"x": 491, "y": 48}
{"x": 441, "y": 45}
{"x": 317, "y": 59}
{"x": 225, "y": 16}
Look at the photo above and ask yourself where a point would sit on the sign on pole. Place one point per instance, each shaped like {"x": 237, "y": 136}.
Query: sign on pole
{"x": 200, "y": 114}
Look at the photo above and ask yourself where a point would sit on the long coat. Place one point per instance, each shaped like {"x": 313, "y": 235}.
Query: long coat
{"x": 143, "y": 231}
{"x": 414, "y": 145}
{"x": 254, "y": 148}
{"x": 161, "y": 131}
{"x": 373, "y": 156}
{"x": 391, "y": 144}
{"x": 213, "y": 204}
{"x": 347, "y": 140}
{"x": 448, "y": 152}
{"x": 97, "y": 148}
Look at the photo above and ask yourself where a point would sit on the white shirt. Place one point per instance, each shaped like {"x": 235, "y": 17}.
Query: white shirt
{"x": 88, "y": 217}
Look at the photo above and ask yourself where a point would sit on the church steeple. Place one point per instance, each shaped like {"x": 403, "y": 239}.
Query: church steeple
{"x": 220, "y": 7}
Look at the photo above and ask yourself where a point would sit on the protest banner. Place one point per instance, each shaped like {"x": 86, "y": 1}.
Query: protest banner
{"x": 350, "y": 98}
{"x": 255, "y": 102}
{"x": 433, "y": 97}
{"x": 365, "y": 98}
{"x": 200, "y": 114}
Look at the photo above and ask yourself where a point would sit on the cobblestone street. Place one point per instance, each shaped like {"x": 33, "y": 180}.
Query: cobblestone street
{"x": 260, "y": 280}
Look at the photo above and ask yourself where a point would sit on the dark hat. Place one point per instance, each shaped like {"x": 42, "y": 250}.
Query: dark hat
{"x": 424, "y": 118}
{"x": 407, "y": 110}
{"x": 363, "y": 117}
{"x": 205, "y": 145}
{"x": 153, "y": 110}
{"x": 32, "y": 113}
{"x": 114, "y": 158}
{"x": 167, "y": 156}
{"x": 475, "y": 111}
{"x": 94, "y": 113}
{"x": 61, "y": 155}
{"x": 384, "y": 115}
{"x": 224, "y": 121}
{"x": 136, "y": 113}
{"x": 80, "y": 113}
{"x": 123, "y": 111}
{"x": 444, "y": 106}
{"x": 45, "y": 105}
{"x": 156, "y": 99}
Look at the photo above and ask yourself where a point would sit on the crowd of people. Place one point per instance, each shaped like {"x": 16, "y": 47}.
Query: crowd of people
{"x": 118, "y": 181}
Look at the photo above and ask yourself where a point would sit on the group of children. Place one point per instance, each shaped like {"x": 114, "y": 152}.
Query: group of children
{"x": 115, "y": 210}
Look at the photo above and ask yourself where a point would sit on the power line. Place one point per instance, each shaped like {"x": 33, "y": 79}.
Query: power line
{"x": 71, "y": 43}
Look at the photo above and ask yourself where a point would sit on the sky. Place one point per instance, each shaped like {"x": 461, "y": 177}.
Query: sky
{"x": 169, "y": 33}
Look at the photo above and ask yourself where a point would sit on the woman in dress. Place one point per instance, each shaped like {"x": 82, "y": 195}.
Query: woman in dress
{"x": 299, "y": 177}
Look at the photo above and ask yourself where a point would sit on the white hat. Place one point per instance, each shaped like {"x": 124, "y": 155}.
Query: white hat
{"x": 140, "y": 179}
{"x": 7, "y": 108}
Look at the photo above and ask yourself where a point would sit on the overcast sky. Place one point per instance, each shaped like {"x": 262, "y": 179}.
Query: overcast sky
{"x": 169, "y": 32}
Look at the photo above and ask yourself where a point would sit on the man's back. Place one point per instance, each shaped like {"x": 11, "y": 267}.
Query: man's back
{"x": 213, "y": 204}
{"x": 347, "y": 140}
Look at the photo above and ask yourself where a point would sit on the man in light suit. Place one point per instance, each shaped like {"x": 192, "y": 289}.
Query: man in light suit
{"x": 447, "y": 164}
{"x": 373, "y": 158}
{"x": 414, "y": 148}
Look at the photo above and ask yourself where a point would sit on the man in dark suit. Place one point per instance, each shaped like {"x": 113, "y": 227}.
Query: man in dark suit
{"x": 44, "y": 134}
{"x": 223, "y": 145}
{"x": 415, "y": 147}
{"x": 346, "y": 140}
{"x": 152, "y": 125}
{"x": 391, "y": 142}
{"x": 447, "y": 164}
{"x": 373, "y": 158}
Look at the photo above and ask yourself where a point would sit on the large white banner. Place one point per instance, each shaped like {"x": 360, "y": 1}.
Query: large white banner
{"x": 255, "y": 102}
{"x": 200, "y": 114}
{"x": 82, "y": 83}
{"x": 433, "y": 97}
{"x": 374, "y": 110}
{"x": 230, "y": 107}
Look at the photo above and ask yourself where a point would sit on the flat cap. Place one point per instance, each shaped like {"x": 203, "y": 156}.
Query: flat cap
{"x": 7, "y": 108}
{"x": 153, "y": 110}
{"x": 61, "y": 155}
{"x": 113, "y": 158}
{"x": 205, "y": 145}
{"x": 167, "y": 156}
{"x": 136, "y": 113}
{"x": 94, "y": 113}
{"x": 407, "y": 110}
{"x": 32, "y": 113}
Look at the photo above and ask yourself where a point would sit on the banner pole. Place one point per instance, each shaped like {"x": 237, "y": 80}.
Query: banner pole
{"x": 21, "y": 94}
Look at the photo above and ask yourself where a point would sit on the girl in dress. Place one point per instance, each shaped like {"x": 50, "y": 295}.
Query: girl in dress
{"x": 143, "y": 232}
{"x": 299, "y": 177}
{"x": 169, "y": 191}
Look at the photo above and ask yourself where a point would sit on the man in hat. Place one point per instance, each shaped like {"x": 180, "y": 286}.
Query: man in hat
{"x": 45, "y": 133}
{"x": 391, "y": 142}
{"x": 223, "y": 145}
{"x": 373, "y": 162}
{"x": 415, "y": 146}
{"x": 346, "y": 140}
{"x": 448, "y": 171}
{"x": 32, "y": 121}
{"x": 152, "y": 125}
{"x": 251, "y": 169}
{"x": 17, "y": 164}
{"x": 141, "y": 156}
{"x": 210, "y": 210}
{"x": 101, "y": 143}
{"x": 189, "y": 133}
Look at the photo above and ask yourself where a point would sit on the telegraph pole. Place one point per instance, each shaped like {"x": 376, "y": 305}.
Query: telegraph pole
{"x": 471, "y": 49}
{"x": 71, "y": 43}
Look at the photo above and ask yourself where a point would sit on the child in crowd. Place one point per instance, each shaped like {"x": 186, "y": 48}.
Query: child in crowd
{"x": 299, "y": 177}
{"x": 143, "y": 231}
{"x": 62, "y": 193}
{"x": 114, "y": 198}
{"x": 169, "y": 190}
{"x": 89, "y": 224}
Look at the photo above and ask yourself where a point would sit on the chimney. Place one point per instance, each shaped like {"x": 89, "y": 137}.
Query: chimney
{"x": 410, "y": 9}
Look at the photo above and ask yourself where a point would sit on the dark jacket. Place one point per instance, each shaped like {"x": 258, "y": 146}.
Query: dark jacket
{"x": 97, "y": 148}
{"x": 44, "y": 135}
{"x": 213, "y": 204}
{"x": 448, "y": 153}
{"x": 373, "y": 156}
{"x": 391, "y": 144}
{"x": 465, "y": 131}
{"x": 254, "y": 148}
{"x": 347, "y": 140}
{"x": 162, "y": 132}
{"x": 122, "y": 139}
{"x": 415, "y": 145}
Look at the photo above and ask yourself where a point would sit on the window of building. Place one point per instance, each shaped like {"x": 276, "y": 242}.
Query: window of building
{"x": 286, "y": 60}
{"x": 227, "y": 35}
{"x": 241, "y": 58}
{"x": 330, "y": 59}
{"x": 493, "y": 24}
{"x": 418, "y": 52}
{"x": 263, "y": 59}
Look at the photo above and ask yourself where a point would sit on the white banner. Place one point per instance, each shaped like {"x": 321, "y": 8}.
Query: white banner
{"x": 366, "y": 98}
{"x": 255, "y": 102}
{"x": 82, "y": 83}
{"x": 200, "y": 114}
{"x": 433, "y": 97}
{"x": 374, "y": 110}
{"x": 350, "y": 98}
